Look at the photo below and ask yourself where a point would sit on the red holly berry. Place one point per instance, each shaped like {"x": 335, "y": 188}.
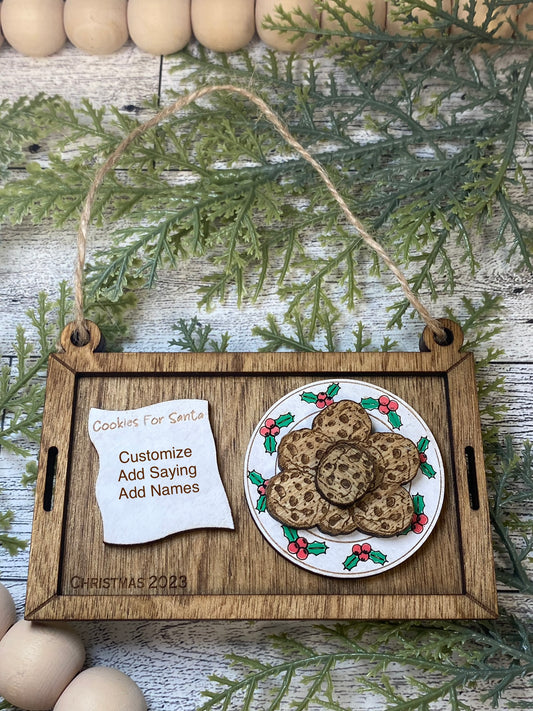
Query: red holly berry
{"x": 362, "y": 551}
{"x": 299, "y": 548}
{"x": 418, "y": 522}
{"x": 423, "y": 457}
{"x": 262, "y": 487}
{"x": 323, "y": 400}
{"x": 269, "y": 428}
{"x": 387, "y": 405}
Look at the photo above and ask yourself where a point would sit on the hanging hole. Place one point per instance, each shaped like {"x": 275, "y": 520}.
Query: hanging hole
{"x": 447, "y": 340}
{"x": 49, "y": 484}
{"x": 471, "y": 474}
{"x": 80, "y": 339}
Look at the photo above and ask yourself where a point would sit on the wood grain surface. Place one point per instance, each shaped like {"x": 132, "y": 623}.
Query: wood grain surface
{"x": 235, "y": 574}
{"x": 172, "y": 661}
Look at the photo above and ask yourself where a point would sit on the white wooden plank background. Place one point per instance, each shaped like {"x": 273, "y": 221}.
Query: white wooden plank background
{"x": 172, "y": 661}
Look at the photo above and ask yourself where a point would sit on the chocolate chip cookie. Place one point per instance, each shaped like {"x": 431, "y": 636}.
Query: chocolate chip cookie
{"x": 384, "y": 511}
{"x": 292, "y": 499}
{"x": 337, "y": 521}
{"x": 302, "y": 449}
{"x": 344, "y": 420}
{"x": 345, "y": 473}
{"x": 400, "y": 456}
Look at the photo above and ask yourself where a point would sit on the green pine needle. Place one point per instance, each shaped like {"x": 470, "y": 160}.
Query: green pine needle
{"x": 423, "y": 173}
{"x": 490, "y": 657}
{"x": 437, "y": 181}
{"x": 22, "y": 393}
{"x": 195, "y": 338}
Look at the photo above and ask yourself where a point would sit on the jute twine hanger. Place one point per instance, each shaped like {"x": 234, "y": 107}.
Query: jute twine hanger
{"x": 81, "y": 332}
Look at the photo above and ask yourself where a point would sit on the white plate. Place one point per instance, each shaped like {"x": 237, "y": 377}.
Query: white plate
{"x": 356, "y": 554}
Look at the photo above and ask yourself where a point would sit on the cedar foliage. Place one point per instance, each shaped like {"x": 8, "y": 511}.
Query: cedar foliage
{"x": 426, "y": 174}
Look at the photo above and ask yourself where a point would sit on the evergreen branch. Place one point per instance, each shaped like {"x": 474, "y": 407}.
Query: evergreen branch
{"x": 512, "y": 488}
{"x": 18, "y": 128}
{"x": 195, "y": 338}
{"x": 492, "y": 655}
{"x": 22, "y": 392}
{"x": 11, "y": 544}
{"x": 276, "y": 340}
{"x": 509, "y": 152}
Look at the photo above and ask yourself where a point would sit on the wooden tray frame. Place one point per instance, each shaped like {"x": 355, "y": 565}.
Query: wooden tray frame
{"x": 449, "y": 578}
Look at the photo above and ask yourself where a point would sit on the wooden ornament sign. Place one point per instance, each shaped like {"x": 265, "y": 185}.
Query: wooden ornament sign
{"x": 222, "y": 572}
{"x": 260, "y": 486}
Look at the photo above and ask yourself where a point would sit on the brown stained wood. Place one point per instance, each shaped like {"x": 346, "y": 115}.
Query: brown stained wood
{"x": 221, "y": 574}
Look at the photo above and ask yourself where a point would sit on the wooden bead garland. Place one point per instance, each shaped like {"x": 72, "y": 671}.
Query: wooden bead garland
{"x": 34, "y": 27}
{"x": 40, "y": 665}
{"x": 525, "y": 18}
{"x": 223, "y": 26}
{"x": 96, "y": 26}
{"x": 160, "y": 26}
{"x": 37, "y": 662}
{"x": 8, "y": 613}
{"x": 286, "y": 41}
{"x": 101, "y": 689}
{"x": 164, "y": 26}
{"x": 379, "y": 17}
{"x": 396, "y": 27}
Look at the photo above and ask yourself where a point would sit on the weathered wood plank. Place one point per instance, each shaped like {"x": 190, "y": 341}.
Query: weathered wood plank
{"x": 128, "y": 77}
{"x": 171, "y": 661}
{"x": 27, "y": 253}
{"x": 152, "y": 652}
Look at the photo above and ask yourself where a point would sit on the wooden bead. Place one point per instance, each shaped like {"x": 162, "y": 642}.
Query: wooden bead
{"x": 379, "y": 9}
{"x": 277, "y": 40}
{"x": 399, "y": 27}
{"x": 37, "y": 661}
{"x": 223, "y": 26}
{"x": 8, "y": 614}
{"x": 96, "y": 26}
{"x": 160, "y": 26}
{"x": 501, "y": 15}
{"x": 101, "y": 689}
{"x": 34, "y": 27}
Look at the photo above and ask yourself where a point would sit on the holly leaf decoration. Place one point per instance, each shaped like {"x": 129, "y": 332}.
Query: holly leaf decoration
{"x": 285, "y": 420}
{"x": 351, "y": 561}
{"x": 418, "y": 503}
{"x": 333, "y": 390}
{"x": 291, "y": 534}
{"x": 316, "y": 548}
{"x": 309, "y": 397}
{"x": 370, "y": 403}
{"x": 378, "y": 557}
{"x": 261, "y": 503}
{"x": 270, "y": 444}
{"x": 422, "y": 444}
{"x": 428, "y": 470}
{"x": 394, "y": 419}
{"x": 255, "y": 478}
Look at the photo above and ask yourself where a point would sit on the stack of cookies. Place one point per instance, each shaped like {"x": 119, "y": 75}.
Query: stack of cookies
{"x": 341, "y": 477}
